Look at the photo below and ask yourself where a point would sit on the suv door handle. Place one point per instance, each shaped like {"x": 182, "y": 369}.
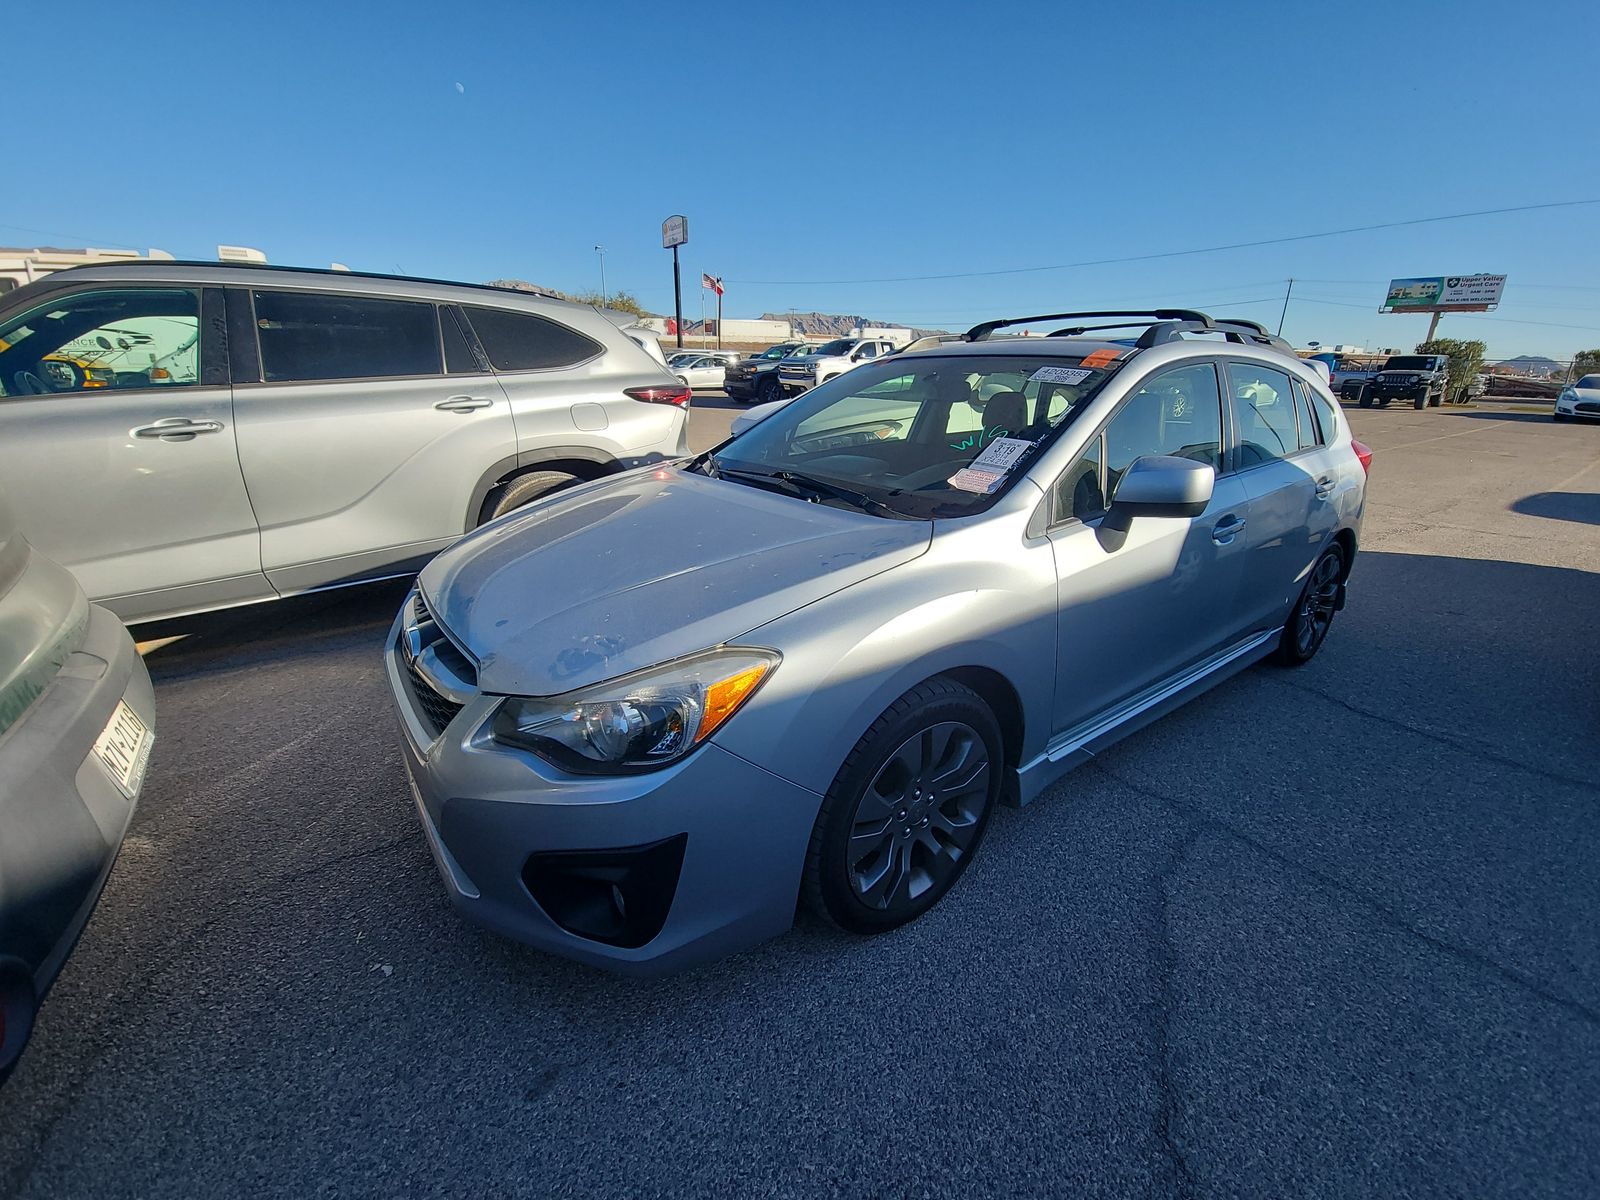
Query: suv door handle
{"x": 1225, "y": 531}
{"x": 463, "y": 404}
{"x": 1325, "y": 486}
{"x": 176, "y": 429}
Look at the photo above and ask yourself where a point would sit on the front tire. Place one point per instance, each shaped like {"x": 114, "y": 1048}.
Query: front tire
{"x": 1312, "y": 615}
{"x": 1421, "y": 402}
{"x": 770, "y": 391}
{"x": 907, "y": 810}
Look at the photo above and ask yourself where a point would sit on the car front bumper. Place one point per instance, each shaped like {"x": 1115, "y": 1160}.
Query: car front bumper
{"x": 1578, "y": 410}
{"x": 62, "y": 819}
{"x": 714, "y": 844}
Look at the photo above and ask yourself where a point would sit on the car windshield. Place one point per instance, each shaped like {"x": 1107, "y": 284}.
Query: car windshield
{"x": 895, "y": 438}
{"x": 838, "y": 346}
{"x": 1588, "y": 381}
{"x": 1408, "y": 363}
{"x": 774, "y": 352}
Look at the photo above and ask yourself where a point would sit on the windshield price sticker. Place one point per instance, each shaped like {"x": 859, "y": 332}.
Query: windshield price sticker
{"x": 1060, "y": 375}
{"x": 986, "y": 472}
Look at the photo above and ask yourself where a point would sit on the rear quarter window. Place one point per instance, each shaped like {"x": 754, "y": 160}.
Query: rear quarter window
{"x": 519, "y": 341}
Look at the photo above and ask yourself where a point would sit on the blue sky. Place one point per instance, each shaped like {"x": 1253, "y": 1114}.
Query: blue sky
{"x": 918, "y": 139}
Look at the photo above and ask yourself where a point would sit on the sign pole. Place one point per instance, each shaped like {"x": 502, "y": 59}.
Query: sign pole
{"x": 719, "y": 318}
{"x": 1433, "y": 325}
{"x": 677, "y": 297}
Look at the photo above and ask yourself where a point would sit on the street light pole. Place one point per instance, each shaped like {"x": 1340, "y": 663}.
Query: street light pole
{"x": 605, "y": 301}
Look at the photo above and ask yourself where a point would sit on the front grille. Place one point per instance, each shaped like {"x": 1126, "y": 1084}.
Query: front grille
{"x": 1586, "y": 406}
{"x": 436, "y": 710}
{"x": 423, "y": 638}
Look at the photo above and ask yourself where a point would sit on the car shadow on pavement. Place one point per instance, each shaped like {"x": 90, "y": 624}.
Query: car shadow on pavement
{"x": 236, "y": 637}
{"x": 1582, "y": 507}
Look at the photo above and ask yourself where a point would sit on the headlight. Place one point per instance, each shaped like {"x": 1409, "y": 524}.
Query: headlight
{"x": 637, "y": 722}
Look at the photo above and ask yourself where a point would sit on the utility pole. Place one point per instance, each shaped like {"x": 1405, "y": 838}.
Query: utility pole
{"x": 605, "y": 301}
{"x": 1286, "y": 294}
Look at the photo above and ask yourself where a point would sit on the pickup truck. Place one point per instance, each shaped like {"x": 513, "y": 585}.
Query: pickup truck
{"x": 1348, "y": 380}
{"x": 1422, "y": 379}
{"x": 756, "y": 377}
{"x": 803, "y": 371}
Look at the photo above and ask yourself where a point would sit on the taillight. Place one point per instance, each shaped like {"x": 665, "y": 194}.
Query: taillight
{"x": 1364, "y": 453}
{"x": 678, "y": 395}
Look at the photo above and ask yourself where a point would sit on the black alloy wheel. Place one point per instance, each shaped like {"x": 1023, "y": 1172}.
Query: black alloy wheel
{"x": 1312, "y": 616}
{"x": 907, "y": 810}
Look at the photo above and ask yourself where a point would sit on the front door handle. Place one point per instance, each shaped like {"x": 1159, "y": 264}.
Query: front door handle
{"x": 1325, "y": 487}
{"x": 176, "y": 429}
{"x": 1225, "y": 531}
{"x": 463, "y": 404}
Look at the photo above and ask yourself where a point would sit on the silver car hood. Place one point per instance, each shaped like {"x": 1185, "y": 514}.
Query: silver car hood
{"x": 647, "y": 567}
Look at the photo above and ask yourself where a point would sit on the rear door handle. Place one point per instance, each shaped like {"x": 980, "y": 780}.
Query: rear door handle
{"x": 1325, "y": 487}
{"x": 176, "y": 429}
{"x": 1225, "y": 531}
{"x": 463, "y": 404}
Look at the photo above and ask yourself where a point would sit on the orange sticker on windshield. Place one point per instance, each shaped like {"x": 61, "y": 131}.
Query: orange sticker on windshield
{"x": 1100, "y": 358}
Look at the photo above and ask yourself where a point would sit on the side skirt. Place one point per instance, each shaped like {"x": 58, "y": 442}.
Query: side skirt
{"x": 1077, "y": 746}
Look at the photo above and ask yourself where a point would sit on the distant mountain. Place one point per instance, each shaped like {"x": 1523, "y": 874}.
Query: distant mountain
{"x": 833, "y": 325}
{"x": 1527, "y": 364}
{"x": 522, "y": 285}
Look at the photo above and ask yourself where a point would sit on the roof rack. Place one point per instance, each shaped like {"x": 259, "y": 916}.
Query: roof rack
{"x": 1161, "y": 325}
{"x": 981, "y": 332}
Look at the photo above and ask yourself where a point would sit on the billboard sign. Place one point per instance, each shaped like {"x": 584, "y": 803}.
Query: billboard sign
{"x": 1444, "y": 293}
{"x": 674, "y": 232}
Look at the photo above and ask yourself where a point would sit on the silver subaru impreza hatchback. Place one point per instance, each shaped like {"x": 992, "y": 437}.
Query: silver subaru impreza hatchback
{"x": 643, "y": 719}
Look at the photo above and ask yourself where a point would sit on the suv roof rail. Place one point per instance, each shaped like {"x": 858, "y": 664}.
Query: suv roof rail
{"x": 981, "y": 331}
{"x": 126, "y": 263}
{"x": 1162, "y": 325}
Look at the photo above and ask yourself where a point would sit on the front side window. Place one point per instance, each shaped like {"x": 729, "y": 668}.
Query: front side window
{"x": 1178, "y": 412}
{"x": 896, "y": 435}
{"x": 521, "y": 341}
{"x": 1263, "y": 409}
{"x": 102, "y": 340}
{"x": 309, "y": 336}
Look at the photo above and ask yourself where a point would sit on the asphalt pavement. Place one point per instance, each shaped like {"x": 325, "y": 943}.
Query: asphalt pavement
{"x": 1320, "y": 933}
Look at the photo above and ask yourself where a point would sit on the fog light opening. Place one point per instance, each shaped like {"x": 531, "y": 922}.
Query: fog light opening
{"x": 620, "y": 897}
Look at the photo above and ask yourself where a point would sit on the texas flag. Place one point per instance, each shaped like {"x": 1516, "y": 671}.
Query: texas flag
{"x": 712, "y": 282}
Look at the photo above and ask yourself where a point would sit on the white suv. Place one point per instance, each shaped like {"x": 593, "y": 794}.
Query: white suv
{"x": 188, "y": 436}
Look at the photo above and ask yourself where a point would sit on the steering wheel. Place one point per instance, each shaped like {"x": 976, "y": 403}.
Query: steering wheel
{"x": 30, "y": 384}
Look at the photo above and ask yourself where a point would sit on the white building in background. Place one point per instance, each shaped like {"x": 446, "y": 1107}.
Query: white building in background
{"x": 20, "y": 266}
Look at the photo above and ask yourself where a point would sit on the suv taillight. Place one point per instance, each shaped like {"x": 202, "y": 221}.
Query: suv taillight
{"x": 678, "y": 395}
{"x": 1364, "y": 453}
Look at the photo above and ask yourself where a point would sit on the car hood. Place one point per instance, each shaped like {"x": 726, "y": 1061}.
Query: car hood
{"x": 1589, "y": 394}
{"x": 647, "y": 567}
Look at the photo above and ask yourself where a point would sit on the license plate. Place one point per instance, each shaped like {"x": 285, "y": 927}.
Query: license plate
{"x": 123, "y": 749}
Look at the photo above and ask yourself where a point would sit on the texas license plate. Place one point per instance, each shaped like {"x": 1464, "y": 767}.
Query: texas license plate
{"x": 124, "y": 749}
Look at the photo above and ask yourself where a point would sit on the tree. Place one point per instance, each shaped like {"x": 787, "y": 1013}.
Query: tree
{"x": 1585, "y": 362}
{"x": 621, "y": 301}
{"x": 1466, "y": 360}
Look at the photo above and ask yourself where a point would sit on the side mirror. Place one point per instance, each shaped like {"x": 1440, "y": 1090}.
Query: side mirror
{"x": 1161, "y": 486}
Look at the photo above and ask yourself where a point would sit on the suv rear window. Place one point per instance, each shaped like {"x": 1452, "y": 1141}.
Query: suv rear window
{"x": 307, "y": 336}
{"x": 519, "y": 341}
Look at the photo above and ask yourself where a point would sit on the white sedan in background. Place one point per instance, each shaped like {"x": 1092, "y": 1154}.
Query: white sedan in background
{"x": 1579, "y": 401}
{"x": 703, "y": 371}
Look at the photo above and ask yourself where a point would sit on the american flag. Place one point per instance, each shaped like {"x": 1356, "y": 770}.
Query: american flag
{"x": 712, "y": 282}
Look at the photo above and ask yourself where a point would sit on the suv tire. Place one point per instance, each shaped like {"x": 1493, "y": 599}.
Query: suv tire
{"x": 525, "y": 489}
{"x": 1421, "y": 401}
{"x": 930, "y": 832}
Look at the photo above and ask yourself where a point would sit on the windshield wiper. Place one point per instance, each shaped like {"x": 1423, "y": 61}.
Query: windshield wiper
{"x": 812, "y": 490}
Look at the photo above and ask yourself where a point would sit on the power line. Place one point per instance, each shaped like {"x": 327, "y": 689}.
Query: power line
{"x": 1104, "y": 262}
{"x": 71, "y": 237}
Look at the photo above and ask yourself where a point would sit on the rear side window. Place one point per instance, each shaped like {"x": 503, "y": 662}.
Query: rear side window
{"x": 309, "y": 337}
{"x": 519, "y": 341}
{"x": 1263, "y": 408}
{"x": 1327, "y": 420}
